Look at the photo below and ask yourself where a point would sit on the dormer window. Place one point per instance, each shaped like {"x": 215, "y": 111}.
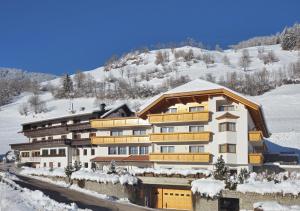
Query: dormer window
{"x": 172, "y": 110}
{"x": 196, "y": 108}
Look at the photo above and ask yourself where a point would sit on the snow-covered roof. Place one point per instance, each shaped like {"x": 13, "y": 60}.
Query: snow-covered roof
{"x": 202, "y": 86}
{"x": 116, "y": 107}
{"x": 196, "y": 85}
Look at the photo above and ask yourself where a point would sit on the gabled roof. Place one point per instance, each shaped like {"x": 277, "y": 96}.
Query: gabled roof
{"x": 199, "y": 88}
{"x": 227, "y": 115}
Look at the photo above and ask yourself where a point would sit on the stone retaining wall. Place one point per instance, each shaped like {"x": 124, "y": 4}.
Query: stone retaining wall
{"x": 246, "y": 200}
{"x": 114, "y": 190}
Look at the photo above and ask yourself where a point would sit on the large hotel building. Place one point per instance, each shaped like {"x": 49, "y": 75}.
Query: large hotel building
{"x": 187, "y": 127}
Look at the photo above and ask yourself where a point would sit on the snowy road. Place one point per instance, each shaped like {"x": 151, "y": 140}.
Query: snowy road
{"x": 65, "y": 195}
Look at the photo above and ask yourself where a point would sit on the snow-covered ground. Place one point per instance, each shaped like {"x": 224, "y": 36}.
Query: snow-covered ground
{"x": 281, "y": 105}
{"x": 274, "y": 206}
{"x": 83, "y": 174}
{"x": 16, "y": 198}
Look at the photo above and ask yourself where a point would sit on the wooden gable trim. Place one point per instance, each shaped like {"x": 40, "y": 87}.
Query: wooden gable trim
{"x": 254, "y": 109}
{"x": 227, "y": 115}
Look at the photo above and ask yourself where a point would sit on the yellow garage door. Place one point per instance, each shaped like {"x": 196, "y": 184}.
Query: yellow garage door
{"x": 174, "y": 199}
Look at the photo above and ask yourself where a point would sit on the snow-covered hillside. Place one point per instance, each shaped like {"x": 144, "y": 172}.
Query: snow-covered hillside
{"x": 17, "y": 74}
{"x": 281, "y": 105}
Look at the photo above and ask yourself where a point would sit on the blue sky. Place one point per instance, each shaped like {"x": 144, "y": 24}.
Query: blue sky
{"x": 62, "y": 36}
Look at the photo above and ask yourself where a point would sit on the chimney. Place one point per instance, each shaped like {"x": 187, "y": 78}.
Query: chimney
{"x": 102, "y": 107}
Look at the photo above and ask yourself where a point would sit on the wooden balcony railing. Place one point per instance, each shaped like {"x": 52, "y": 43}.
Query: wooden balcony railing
{"x": 181, "y": 137}
{"x": 255, "y": 136}
{"x": 119, "y": 139}
{"x": 202, "y": 116}
{"x": 256, "y": 158}
{"x": 30, "y": 159}
{"x": 118, "y": 122}
{"x": 181, "y": 157}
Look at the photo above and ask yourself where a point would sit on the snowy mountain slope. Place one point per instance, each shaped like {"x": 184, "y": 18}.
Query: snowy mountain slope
{"x": 12, "y": 73}
{"x": 282, "y": 118}
{"x": 196, "y": 68}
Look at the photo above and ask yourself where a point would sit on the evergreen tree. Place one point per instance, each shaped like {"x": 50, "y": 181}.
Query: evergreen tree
{"x": 221, "y": 170}
{"x": 69, "y": 171}
{"x": 112, "y": 167}
{"x": 67, "y": 85}
{"x": 77, "y": 165}
{"x": 243, "y": 175}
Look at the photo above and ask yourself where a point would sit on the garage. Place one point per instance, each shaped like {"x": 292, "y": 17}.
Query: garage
{"x": 173, "y": 199}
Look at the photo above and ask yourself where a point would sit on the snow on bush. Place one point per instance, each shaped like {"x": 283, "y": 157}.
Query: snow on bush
{"x": 55, "y": 172}
{"x": 274, "y": 206}
{"x": 83, "y": 174}
{"x": 208, "y": 187}
{"x": 183, "y": 172}
{"x": 280, "y": 183}
{"x": 97, "y": 176}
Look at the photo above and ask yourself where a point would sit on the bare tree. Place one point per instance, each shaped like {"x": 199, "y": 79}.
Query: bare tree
{"x": 23, "y": 109}
{"x": 245, "y": 60}
{"x": 36, "y": 104}
{"x": 226, "y": 60}
{"x": 208, "y": 59}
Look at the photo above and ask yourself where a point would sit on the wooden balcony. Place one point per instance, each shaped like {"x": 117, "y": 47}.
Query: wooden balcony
{"x": 256, "y": 137}
{"x": 118, "y": 122}
{"x": 30, "y": 159}
{"x": 181, "y": 137}
{"x": 256, "y": 158}
{"x": 119, "y": 139}
{"x": 202, "y": 116}
{"x": 181, "y": 157}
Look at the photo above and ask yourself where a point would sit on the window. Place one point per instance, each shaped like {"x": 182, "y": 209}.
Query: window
{"x": 75, "y": 121}
{"x": 92, "y": 135}
{"x": 45, "y": 164}
{"x": 77, "y": 152}
{"x": 92, "y": 151}
{"x": 93, "y": 166}
{"x": 117, "y": 133}
{"x": 195, "y": 149}
{"x": 52, "y": 151}
{"x": 43, "y": 139}
{"x": 227, "y": 148}
{"x": 63, "y": 137}
{"x": 62, "y": 152}
{"x": 77, "y": 136}
{"x": 167, "y": 149}
{"x": 25, "y": 154}
{"x": 58, "y": 165}
{"x": 85, "y": 152}
{"x": 44, "y": 152}
{"x": 50, "y": 138}
{"x": 122, "y": 150}
{"x": 86, "y": 165}
{"x": 139, "y": 132}
{"x": 227, "y": 126}
{"x": 64, "y": 123}
{"x": 196, "y": 108}
{"x": 196, "y": 128}
{"x": 167, "y": 129}
{"x": 112, "y": 150}
{"x": 226, "y": 108}
{"x": 144, "y": 150}
{"x": 172, "y": 110}
{"x": 34, "y": 140}
{"x": 133, "y": 150}
{"x": 36, "y": 154}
